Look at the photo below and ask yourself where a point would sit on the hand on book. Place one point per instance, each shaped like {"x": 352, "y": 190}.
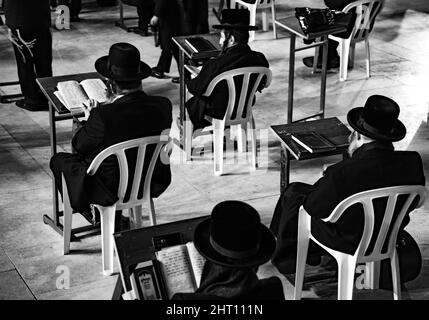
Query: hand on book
{"x": 87, "y": 107}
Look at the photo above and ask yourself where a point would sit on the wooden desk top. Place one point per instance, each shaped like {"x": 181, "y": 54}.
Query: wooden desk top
{"x": 49, "y": 86}
{"x": 331, "y": 128}
{"x": 212, "y": 37}
{"x": 291, "y": 24}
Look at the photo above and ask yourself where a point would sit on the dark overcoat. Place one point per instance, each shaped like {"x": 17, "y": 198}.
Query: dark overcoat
{"x": 238, "y": 56}
{"x": 373, "y": 165}
{"x": 132, "y": 116}
{"x": 171, "y": 21}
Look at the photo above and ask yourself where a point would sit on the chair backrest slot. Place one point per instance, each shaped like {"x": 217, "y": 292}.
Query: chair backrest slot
{"x": 245, "y": 95}
{"x": 389, "y": 223}
{"x": 119, "y": 150}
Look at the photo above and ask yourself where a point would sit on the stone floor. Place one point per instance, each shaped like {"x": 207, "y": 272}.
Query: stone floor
{"x": 31, "y": 259}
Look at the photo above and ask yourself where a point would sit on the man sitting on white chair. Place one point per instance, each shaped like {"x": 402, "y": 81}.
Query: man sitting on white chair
{"x": 235, "y": 54}
{"x": 373, "y": 164}
{"x": 130, "y": 114}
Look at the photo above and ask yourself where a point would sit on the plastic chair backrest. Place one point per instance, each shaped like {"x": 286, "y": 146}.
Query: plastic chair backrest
{"x": 245, "y": 100}
{"x": 366, "y": 198}
{"x": 264, "y": 3}
{"x": 366, "y": 12}
{"x": 119, "y": 151}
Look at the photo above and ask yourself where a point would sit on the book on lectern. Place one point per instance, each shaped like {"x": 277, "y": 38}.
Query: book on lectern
{"x": 73, "y": 95}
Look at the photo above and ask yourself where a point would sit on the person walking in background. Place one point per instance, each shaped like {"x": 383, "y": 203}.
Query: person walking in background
{"x": 29, "y": 25}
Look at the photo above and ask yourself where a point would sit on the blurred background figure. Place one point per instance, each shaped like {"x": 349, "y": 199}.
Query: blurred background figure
{"x": 29, "y": 25}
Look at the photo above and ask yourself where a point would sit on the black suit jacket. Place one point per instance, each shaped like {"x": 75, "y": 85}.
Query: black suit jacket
{"x": 132, "y": 116}
{"x": 374, "y": 165}
{"x": 238, "y": 56}
{"x": 24, "y": 14}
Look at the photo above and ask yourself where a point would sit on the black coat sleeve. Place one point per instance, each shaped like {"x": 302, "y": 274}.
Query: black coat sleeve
{"x": 161, "y": 7}
{"x": 199, "y": 84}
{"x": 323, "y": 197}
{"x": 90, "y": 136}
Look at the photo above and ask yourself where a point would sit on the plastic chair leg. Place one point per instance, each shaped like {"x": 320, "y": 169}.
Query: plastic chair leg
{"x": 253, "y": 144}
{"x": 188, "y": 139}
{"x": 373, "y": 274}
{"x": 396, "y": 278}
{"x": 264, "y": 20}
{"x": 241, "y": 138}
{"x": 252, "y": 22}
{"x": 107, "y": 215}
{"x": 68, "y": 217}
{"x": 273, "y": 14}
{"x": 218, "y": 133}
{"x": 152, "y": 216}
{"x": 344, "y": 59}
{"x": 368, "y": 59}
{"x": 303, "y": 242}
{"x": 346, "y": 272}
{"x": 138, "y": 218}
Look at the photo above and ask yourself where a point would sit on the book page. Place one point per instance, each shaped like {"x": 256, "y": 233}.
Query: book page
{"x": 197, "y": 262}
{"x": 177, "y": 269}
{"x": 95, "y": 89}
{"x": 72, "y": 94}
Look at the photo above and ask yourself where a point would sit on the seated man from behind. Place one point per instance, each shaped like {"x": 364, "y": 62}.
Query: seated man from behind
{"x": 130, "y": 114}
{"x": 235, "y": 54}
{"x": 373, "y": 164}
{"x": 234, "y": 243}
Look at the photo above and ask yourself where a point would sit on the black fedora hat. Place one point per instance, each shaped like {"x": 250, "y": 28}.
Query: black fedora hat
{"x": 237, "y": 19}
{"x": 378, "y": 119}
{"x": 123, "y": 64}
{"x": 234, "y": 237}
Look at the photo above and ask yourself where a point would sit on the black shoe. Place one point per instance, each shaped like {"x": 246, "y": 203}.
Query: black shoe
{"x": 332, "y": 63}
{"x": 157, "y": 74}
{"x": 175, "y": 79}
{"x": 30, "y": 107}
{"x": 141, "y": 32}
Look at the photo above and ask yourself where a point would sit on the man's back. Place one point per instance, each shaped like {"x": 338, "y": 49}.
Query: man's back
{"x": 238, "y": 56}
{"x": 372, "y": 166}
{"x": 135, "y": 115}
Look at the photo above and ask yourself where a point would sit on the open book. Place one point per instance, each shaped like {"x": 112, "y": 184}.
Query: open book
{"x": 181, "y": 266}
{"x": 73, "y": 94}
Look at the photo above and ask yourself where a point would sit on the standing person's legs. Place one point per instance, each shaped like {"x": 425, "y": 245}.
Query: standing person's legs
{"x": 75, "y": 7}
{"x": 27, "y": 45}
{"x": 145, "y": 10}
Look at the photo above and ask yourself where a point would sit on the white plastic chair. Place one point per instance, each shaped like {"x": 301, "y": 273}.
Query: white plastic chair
{"x": 245, "y": 101}
{"x": 265, "y": 5}
{"x": 366, "y": 12}
{"x": 346, "y": 262}
{"x": 133, "y": 204}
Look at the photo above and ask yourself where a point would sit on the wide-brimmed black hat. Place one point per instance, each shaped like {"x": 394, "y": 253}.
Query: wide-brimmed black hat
{"x": 237, "y": 19}
{"x": 234, "y": 237}
{"x": 123, "y": 64}
{"x": 378, "y": 119}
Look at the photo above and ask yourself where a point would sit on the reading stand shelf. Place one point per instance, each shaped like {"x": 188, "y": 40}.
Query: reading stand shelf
{"x": 139, "y": 245}
{"x": 57, "y": 112}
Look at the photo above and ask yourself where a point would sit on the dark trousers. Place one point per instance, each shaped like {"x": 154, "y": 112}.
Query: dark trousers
{"x": 74, "y": 5}
{"x": 33, "y": 53}
{"x": 284, "y": 225}
{"x": 145, "y": 10}
{"x": 164, "y": 62}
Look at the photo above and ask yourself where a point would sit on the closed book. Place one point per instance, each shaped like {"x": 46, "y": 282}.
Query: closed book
{"x": 312, "y": 141}
{"x": 199, "y": 44}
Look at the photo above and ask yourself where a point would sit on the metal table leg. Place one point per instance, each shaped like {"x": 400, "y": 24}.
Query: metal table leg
{"x": 182, "y": 94}
{"x": 291, "y": 78}
{"x": 324, "y": 72}
{"x": 284, "y": 169}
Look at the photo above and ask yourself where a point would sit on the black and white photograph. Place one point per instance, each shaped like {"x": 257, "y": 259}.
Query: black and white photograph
{"x": 217, "y": 155}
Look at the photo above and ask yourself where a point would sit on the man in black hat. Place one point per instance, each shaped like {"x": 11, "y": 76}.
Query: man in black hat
{"x": 130, "y": 114}
{"x": 29, "y": 25}
{"x": 234, "y": 243}
{"x": 235, "y": 54}
{"x": 373, "y": 164}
